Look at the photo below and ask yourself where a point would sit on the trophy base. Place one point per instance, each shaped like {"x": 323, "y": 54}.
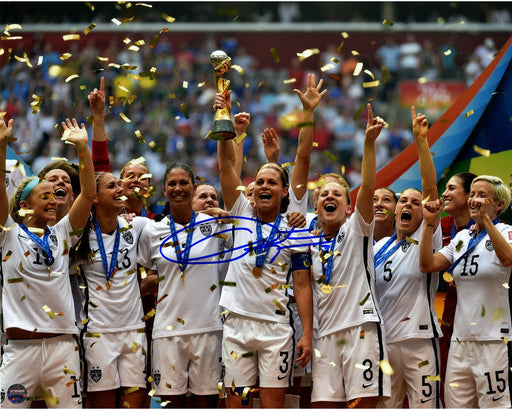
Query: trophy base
{"x": 222, "y": 130}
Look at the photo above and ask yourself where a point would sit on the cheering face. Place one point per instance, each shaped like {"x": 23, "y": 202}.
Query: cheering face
{"x": 332, "y": 205}
{"x": 205, "y": 198}
{"x": 454, "y": 198}
{"x": 384, "y": 204}
{"x": 110, "y": 192}
{"x": 133, "y": 183}
{"x": 268, "y": 190}
{"x": 250, "y": 193}
{"x": 42, "y": 202}
{"x": 179, "y": 189}
{"x": 408, "y": 212}
{"x": 62, "y": 187}
{"x": 482, "y": 196}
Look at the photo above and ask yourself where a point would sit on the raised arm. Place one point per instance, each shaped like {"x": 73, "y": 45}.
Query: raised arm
{"x": 226, "y": 156}
{"x": 426, "y": 163}
{"x": 5, "y": 136}
{"x": 310, "y": 101}
{"x": 77, "y": 135}
{"x": 100, "y": 156}
{"x": 271, "y": 146}
{"x": 241, "y": 122}
{"x": 364, "y": 200}
{"x": 431, "y": 217}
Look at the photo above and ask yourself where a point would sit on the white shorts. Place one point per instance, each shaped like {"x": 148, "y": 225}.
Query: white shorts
{"x": 115, "y": 360}
{"x": 477, "y": 374}
{"x": 346, "y": 365}
{"x": 257, "y": 348}
{"x": 297, "y": 324}
{"x": 36, "y": 369}
{"x": 189, "y": 363}
{"x": 415, "y": 364}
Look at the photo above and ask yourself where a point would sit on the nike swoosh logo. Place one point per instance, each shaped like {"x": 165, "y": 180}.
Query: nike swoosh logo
{"x": 281, "y": 377}
{"x": 425, "y": 400}
{"x": 497, "y": 398}
{"x": 164, "y": 236}
{"x": 365, "y": 385}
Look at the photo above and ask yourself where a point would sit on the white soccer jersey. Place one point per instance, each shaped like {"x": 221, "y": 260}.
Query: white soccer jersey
{"x": 186, "y": 304}
{"x": 483, "y": 295}
{"x": 37, "y": 297}
{"x": 14, "y": 175}
{"x": 405, "y": 294}
{"x": 264, "y": 297}
{"x": 348, "y": 300}
{"x": 114, "y": 306}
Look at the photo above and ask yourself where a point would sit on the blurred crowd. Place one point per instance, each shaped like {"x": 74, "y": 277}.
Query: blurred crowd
{"x": 165, "y": 115}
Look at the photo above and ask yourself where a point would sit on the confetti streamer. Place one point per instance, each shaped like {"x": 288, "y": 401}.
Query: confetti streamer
{"x": 481, "y": 151}
{"x": 277, "y": 59}
{"x": 69, "y": 37}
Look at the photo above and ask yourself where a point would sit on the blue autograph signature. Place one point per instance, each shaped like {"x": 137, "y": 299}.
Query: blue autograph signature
{"x": 220, "y": 257}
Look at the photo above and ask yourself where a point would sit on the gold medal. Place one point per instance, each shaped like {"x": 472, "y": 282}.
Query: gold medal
{"x": 326, "y": 289}
{"x": 257, "y": 272}
{"x": 447, "y": 277}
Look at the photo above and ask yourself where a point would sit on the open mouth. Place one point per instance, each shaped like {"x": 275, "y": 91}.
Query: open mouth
{"x": 330, "y": 208}
{"x": 60, "y": 193}
{"x": 265, "y": 196}
{"x": 406, "y": 216}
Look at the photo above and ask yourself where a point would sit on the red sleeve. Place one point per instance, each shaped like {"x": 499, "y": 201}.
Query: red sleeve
{"x": 100, "y": 158}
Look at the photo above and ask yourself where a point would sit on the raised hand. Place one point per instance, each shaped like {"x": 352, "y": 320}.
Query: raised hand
{"x": 432, "y": 211}
{"x": 311, "y": 98}
{"x": 419, "y": 124}
{"x": 222, "y": 100}
{"x": 271, "y": 145}
{"x": 5, "y": 131}
{"x": 241, "y": 122}
{"x": 73, "y": 133}
{"x": 97, "y": 99}
{"x": 373, "y": 125}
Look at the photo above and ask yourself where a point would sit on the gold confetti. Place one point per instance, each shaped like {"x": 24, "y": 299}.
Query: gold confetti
{"x": 184, "y": 110}
{"x": 481, "y": 151}
{"x": 288, "y": 164}
{"x": 425, "y": 200}
{"x": 7, "y": 256}
{"x": 213, "y": 287}
{"x": 279, "y": 306}
{"x": 116, "y": 21}
{"x": 436, "y": 378}
{"x": 370, "y": 84}
{"x": 271, "y": 288}
{"x": 505, "y": 285}
{"x": 180, "y": 320}
{"x": 124, "y": 117}
{"x": 423, "y": 363}
{"x": 453, "y": 384}
{"x": 327, "y": 67}
{"x": 470, "y": 112}
{"x": 497, "y": 314}
{"x": 358, "y": 69}
{"x": 332, "y": 157}
{"x": 290, "y": 81}
{"x": 275, "y": 55}
{"x": 411, "y": 240}
{"x": 240, "y": 138}
{"x": 89, "y": 29}
{"x": 359, "y": 111}
{"x": 71, "y": 77}
{"x": 308, "y": 53}
{"x": 386, "y": 368}
{"x": 68, "y": 37}
{"x": 131, "y": 389}
{"x": 148, "y": 315}
{"x": 248, "y": 354}
{"x": 388, "y": 22}
{"x": 234, "y": 355}
{"x": 168, "y": 18}
{"x": 49, "y": 312}
{"x": 14, "y": 280}
{"x": 364, "y": 299}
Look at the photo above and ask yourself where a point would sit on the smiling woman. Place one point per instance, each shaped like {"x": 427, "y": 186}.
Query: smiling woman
{"x": 37, "y": 300}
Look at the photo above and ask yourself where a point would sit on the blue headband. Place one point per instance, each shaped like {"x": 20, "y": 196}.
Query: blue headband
{"x": 28, "y": 188}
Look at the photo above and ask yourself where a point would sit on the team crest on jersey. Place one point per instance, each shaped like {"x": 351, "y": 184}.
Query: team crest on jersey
{"x": 16, "y": 393}
{"x": 405, "y": 246}
{"x": 95, "y": 374}
{"x": 341, "y": 236}
{"x": 157, "y": 377}
{"x": 53, "y": 238}
{"x": 127, "y": 237}
{"x": 283, "y": 236}
{"x": 488, "y": 245}
{"x": 206, "y": 229}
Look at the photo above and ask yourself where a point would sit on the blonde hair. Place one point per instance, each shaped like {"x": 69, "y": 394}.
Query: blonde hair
{"x": 501, "y": 191}
{"x": 14, "y": 202}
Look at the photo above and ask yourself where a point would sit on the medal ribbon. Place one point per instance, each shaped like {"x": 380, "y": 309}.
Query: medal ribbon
{"x": 115, "y": 251}
{"x": 182, "y": 256}
{"x": 382, "y": 255}
{"x": 327, "y": 270}
{"x": 470, "y": 223}
{"x": 472, "y": 244}
{"x": 44, "y": 244}
{"x": 262, "y": 249}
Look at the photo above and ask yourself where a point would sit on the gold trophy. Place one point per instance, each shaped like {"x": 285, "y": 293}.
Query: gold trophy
{"x": 223, "y": 128}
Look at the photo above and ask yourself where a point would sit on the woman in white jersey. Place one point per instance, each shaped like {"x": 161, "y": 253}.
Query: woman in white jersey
{"x": 112, "y": 336}
{"x": 184, "y": 249}
{"x": 384, "y": 204}
{"x": 41, "y": 358}
{"x": 406, "y": 295}
{"x": 480, "y": 356}
{"x": 349, "y": 345}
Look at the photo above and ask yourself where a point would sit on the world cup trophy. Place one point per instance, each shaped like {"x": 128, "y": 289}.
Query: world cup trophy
{"x": 223, "y": 128}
